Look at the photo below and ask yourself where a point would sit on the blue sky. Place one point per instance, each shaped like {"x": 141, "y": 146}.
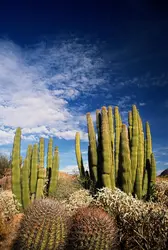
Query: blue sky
{"x": 60, "y": 61}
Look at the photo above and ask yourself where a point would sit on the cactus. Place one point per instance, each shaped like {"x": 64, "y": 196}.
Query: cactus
{"x": 125, "y": 162}
{"x": 44, "y": 226}
{"x": 79, "y": 155}
{"x": 134, "y": 145}
{"x": 117, "y": 140}
{"x": 33, "y": 174}
{"x": 54, "y": 173}
{"x": 49, "y": 155}
{"x": 92, "y": 229}
{"x": 16, "y": 187}
{"x": 25, "y": 184}
{"x": 130, "y": 127}
{"x": 40, "y": 182}
{"x": 93, "y": 147}
{"x": 29, "y": 157}
{"x": 153, "y": 170}
{"x": 41, "y": 152}
{"x": 111, "y": 131}
{"x": 106, "y": 151}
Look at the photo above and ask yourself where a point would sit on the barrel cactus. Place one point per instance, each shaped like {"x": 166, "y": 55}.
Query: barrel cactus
{"x": 44, "y": 226}
{"x": 92, "y": 229}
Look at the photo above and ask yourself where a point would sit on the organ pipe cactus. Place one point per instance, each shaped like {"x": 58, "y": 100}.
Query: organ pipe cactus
{"x": 33, "y": 174}
{"x": 54, "y": 173}
{"x": 16, "y": 188}
{"x": 79, "y": 155}
{"x": 134, "y": 145}
{"x": 124, "y": 175}
{"x": 25, "y": 184}
{"x": 93, "y": 147}
{"x": 117, "y": 140}
{"x": 41, "y": 153}
{"x": 40, "y": 183}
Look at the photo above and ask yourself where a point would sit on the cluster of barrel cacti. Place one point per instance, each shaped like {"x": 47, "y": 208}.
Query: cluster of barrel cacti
{"x": 46, "y": 225}
{"x": 30, "y": 179}
{"x": 122, "y": 155}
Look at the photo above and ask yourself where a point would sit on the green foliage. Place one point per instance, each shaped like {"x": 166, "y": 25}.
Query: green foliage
{"x": 44, "y": 226}
{"x": 92, "y": 229}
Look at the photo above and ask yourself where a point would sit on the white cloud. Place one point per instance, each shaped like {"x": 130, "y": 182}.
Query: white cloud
{"x": 142, "y": 104}
{"x": 70, "y": 169}
{"x": 37, "y": 85}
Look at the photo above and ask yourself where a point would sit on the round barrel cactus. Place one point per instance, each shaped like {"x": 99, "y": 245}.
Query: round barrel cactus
{"x": 92, "y": 229}
{"x": 44, "y": 226}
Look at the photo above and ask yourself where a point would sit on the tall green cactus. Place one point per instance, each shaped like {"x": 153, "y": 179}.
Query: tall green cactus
{"x": 106, "y": 152}
{"x": 153, "y": 170}
{"x": 25, "y": 184}
{"x": 79, "y": 155}
{"x": 50, "y": 153}
{"x": 33, "y": 173}
{"x": 111, "y": 130}
{"x": 130, "y": 127}
{"x": 93, "y": 147}
{"x": 40, "y": 182}
{"x": 117, "y": 140}
{"x": 29, "y": 158}
{"x": 54, "y": 173}
{"x": 41, "y": 153}
{"x": 134, "y": 145}
{"x": 125, "y": 162}
{"x": 16, "y": 175}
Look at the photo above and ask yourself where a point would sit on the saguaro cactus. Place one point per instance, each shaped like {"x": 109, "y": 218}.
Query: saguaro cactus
{"x": 16, "y": 187}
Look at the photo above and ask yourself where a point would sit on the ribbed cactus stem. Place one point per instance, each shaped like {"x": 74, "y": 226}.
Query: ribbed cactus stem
{"x": 40, "y": 182}
{"x": 41, "y": 153}
{"x": 117, "y": 140}
{"x": 54, "y": 172}
{"x": 50, "y": 153}
{"x": 16, "y": 187}
{"x": 29, "y": 158}
{"x": 25, "y": 184}
{"x": 130, "y": 127}
{"x": 93, "y": 147}
{"x": 79, "y": 155}
{"x": 106, "y": 151}
{"x": 134, "y": 146}
{"x": 153, "y": 170}
{"x": 111, "y": 129}
{"x": 34, "y": 165}
{"x": 125, "y": 162}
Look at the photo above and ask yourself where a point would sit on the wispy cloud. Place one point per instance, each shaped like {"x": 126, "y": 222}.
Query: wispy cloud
{"x": 37, "y": 85}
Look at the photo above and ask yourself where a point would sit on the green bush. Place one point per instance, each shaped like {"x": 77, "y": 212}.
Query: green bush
{"x": 4, "y": 163}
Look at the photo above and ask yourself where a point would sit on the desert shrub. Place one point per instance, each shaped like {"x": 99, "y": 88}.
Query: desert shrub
{"x": 142, "y": 225}
{"x": 4, "y": 164}
{"x": 161, "y": 193}
{"x": 65, "y": 187}
{"x": 80, "y": 198}
{"x": 3, "y": 228}
{"x": 8, "y": 204}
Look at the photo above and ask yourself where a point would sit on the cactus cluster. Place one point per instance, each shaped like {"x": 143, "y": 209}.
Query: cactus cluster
{"x": 30, "y": 178}
{"x": 122, "y": 155}
{"x": 46, "y": 225}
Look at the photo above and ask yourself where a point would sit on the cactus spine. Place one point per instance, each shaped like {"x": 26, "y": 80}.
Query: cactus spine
{"x": 16, "y": 175}
{"x": 40, "y": 182}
